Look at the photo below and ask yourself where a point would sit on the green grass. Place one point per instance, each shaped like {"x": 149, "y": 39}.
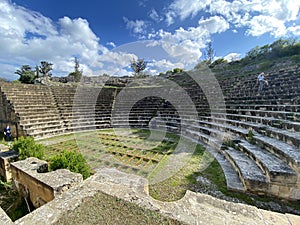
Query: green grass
{"x": 175, "y": 187}
{"x": 170, "y": 189}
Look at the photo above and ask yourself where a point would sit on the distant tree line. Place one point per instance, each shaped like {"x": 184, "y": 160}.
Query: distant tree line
{"x": 278, "y": 49}
{"x": 29, "y": 75}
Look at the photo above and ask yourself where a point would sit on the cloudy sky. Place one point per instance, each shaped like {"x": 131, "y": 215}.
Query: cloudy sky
{"x": 106, "y": 35}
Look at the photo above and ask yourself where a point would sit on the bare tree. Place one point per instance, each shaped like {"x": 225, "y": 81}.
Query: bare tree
{"x": 209, "y": 53}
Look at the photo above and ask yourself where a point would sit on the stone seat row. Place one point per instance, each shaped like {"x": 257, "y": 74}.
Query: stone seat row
{"x": 271, "y": 121}
{"x": 291, "y": 116}
{"x": 278, "y": 171}
{"x": 289, "y": 137}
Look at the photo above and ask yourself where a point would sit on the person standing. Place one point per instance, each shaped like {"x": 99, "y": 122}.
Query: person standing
{"x": 7, "y": 133}
{"x": 261, "y": 81}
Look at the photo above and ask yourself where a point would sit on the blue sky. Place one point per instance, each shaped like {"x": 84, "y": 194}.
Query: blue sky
{"x": 106, "y": 35}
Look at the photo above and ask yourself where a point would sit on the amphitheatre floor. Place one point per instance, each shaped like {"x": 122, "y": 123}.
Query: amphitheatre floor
{"x": 89, "y": 144}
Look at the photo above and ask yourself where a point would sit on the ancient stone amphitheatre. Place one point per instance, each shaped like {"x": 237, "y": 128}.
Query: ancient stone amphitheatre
{"x": 253, "y": 136}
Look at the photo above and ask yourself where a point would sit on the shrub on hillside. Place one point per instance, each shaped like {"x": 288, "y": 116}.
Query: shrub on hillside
{"x": 27, "y": 147}
{"x": 71, "y": 160}
{"x": 177, "y": 70}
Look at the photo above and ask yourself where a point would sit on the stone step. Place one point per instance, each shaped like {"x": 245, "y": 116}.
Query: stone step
{"x": 233, "y": 181}
{"x": 286, "y": 152}
{"x": 292, "y": 116}
{"x": 284, "y": 108}
{"x": 271, "y": 121}
{"x": 43, "y": 128}
{"x": 276, "y": 169}
{"x": 289, "y": 137}
{"x": 223, "y": 126}
{"x": 38, "y": 125}
{"x": 286, "y": 136}
{"x": 254, "y": 178}
{"x": 47, "y": 133}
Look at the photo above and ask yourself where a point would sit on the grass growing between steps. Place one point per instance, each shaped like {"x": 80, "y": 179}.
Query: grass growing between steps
{"x": 215, "y": 174}
{"x": 131, "y": 155}
{"x": 137, "y": 151}
{"x": 174, "y": 188}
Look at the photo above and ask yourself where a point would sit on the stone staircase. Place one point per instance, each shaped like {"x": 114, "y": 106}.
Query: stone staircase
{"x": 84, "y": 108}
{"x": 35, "y": 109}
{"x": 42, "y": 111}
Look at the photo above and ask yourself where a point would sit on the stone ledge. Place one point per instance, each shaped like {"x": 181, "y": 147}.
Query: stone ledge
{"x": 4, "y": 219}
{"x": 32, "y": 180}
{"x": 193, "y": 208}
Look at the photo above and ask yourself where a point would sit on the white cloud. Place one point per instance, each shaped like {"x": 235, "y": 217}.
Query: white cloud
{"x": 78, "y": 31}
{"x": 112, "y": 44}
{"x": 184, "y": 45}
{"x": 185, "y": 8}
{"x": 137, "y": 26}
{"x": 117, "y": 58}
{"x": 232, "y": 57}
{"x": 154, "y": 16}
{"x": 27, "y": 37}
{"x": 214, "y": 24}
{"x": 260, "y": 25}
{"x": 295, "y": 30}
{"x": 254, "y": 15}
{"x": 163, "y": 65}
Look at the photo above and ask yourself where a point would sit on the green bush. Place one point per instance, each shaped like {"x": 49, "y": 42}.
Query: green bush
{"x": 265, "y": 65}
{"x": 177, "y": 70}
{"x": 27, "y": 147}
{"x": 71, "y": 160}
{"x": 295, "y": 58}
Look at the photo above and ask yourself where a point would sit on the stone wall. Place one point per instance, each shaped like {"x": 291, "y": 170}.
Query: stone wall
{"x": 7, "y": 115}
{"x": 6, "y": 157}
{"x": 33, "y": 183}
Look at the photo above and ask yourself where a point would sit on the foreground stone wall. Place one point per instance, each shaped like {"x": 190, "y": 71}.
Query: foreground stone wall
{"x": 6, "y": 157}
{"x": 39, "y": 187}
{"x": 194, "y": 208}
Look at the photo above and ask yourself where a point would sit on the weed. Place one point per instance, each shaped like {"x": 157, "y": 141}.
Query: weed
{"x": 250, "y": 137}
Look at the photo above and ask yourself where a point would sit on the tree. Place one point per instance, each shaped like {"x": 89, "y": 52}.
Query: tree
{"x": 26, "y": 74}
{"x": 218, "y": 62}
{"x": 138, "y": 67}
{"x": 77, "y": 75}
{"x": 37, "y": 71}
{"x": 209, "y": 53}
{"x": 177, "y": 70}
{"x": 45, "y": 69}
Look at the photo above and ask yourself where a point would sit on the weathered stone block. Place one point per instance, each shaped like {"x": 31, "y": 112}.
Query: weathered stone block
{"x": 295, "y": 193}
{"x": 274, "y": 189}
{"x": 39, "y": 187}
{"x": 5, "y": 159}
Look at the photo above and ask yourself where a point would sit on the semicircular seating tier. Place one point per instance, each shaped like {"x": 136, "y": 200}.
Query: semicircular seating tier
{"x": 254, "y": 136}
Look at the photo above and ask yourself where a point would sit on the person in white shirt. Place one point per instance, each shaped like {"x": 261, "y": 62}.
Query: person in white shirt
{"x": 261, "y": 81}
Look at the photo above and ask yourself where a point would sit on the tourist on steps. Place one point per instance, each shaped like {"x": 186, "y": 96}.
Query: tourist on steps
{"x": 261, "y": 81}
{"x": 7, "y": 133}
